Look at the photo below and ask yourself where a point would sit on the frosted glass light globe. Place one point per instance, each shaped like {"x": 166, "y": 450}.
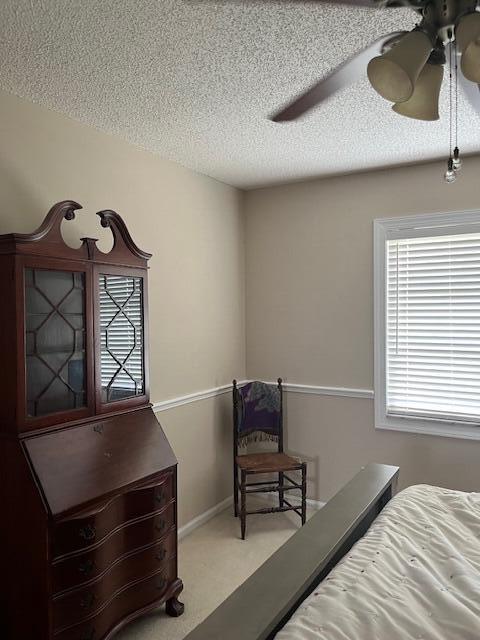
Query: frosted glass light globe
{"x": 450, "y": 175}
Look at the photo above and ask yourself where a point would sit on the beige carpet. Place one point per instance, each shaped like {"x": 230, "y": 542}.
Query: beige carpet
{"x": 213, "y": 563}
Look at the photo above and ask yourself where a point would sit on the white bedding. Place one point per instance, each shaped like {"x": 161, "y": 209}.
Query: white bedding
{"x": 414, "y": 575}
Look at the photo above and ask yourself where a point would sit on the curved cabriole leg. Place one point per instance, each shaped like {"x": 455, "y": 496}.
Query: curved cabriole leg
{"x": 174, "y": 607}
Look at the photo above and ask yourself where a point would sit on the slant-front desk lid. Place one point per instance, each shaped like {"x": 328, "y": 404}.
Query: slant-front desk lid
{"x": 79, "y": 464}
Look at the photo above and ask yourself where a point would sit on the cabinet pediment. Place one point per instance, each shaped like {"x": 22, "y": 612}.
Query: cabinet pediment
{"x": 47, "y": 240}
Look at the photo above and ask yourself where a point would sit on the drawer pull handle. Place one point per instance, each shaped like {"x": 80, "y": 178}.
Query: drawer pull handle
{"x": 88, "y": 532}
{"x": 89, "y": 635}
{"x": 88, "y": 601}
{"x": 87, "y": 567}
{"x": 161, "y": 584}
{"x": 161, "y": 555}
{"x": 160, "y": 496}
{"x": 160, "y": 526}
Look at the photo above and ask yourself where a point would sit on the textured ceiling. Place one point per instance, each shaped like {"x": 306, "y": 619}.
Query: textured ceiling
{"x": 195, "y": 81}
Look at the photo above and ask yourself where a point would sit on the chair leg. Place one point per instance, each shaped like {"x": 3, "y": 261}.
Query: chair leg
{"x": 235, "y": 490}
{"x": 280, "y": 489}
{"x": 304, "y": 493}
{"x": 243, "y": 505}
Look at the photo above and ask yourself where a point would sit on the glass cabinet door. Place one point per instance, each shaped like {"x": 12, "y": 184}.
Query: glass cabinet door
{"x": 121, "y": 337}
{"x": 55, "y": 339}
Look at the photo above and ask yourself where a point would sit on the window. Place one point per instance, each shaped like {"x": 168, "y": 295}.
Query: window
{"x": 427, "y": 324}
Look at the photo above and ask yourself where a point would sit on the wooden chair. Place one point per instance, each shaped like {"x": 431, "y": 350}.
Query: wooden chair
{"x": 268, "y": 425}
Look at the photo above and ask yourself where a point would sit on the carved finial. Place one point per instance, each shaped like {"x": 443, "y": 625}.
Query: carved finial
{"x": 65, "y": 209}
{"x": 109, "y": 218}
{"x": 69, "y": 206}
{"x": 91, "y": 245}
{"x": 104, "y": 221}
{"x": 50, "y": 227}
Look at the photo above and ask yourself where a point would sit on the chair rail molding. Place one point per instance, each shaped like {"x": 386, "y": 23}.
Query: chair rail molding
{"x": 171, "y": 403}
{"x": 289, "y": 387}
{"x": 318, "y": 390}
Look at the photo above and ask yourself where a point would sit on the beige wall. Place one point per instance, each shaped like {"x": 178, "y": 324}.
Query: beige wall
{"x": 192, "y": 224}
{"x": 200, "y": 433}
{"x": 308, "y": 298}
{"x": 309, "y": 301}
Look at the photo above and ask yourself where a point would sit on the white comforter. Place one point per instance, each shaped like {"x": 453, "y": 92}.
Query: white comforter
{"x": 414, "y": 575}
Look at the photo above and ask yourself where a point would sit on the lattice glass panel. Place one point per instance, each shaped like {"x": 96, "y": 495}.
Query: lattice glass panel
{"x": 122, "y": 340}
{"x": 54, "y": 341}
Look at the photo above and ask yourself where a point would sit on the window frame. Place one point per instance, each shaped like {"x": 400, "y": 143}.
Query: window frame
{"x": 411, "y": 226}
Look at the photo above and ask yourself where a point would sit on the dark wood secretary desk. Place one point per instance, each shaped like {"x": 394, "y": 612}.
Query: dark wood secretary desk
{"x": 88, "y": 485}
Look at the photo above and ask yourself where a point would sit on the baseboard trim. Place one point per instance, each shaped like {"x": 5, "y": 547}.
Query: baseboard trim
{"x": 289, "y": 387}
{"x": 204, "y": 517}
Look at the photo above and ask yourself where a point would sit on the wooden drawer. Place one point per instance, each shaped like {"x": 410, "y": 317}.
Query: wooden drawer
{"x": 76, "y": 605}
{"x": 123, "y": 604}
{"x": 91, "y": 527}
{"x": 76, "y": 569}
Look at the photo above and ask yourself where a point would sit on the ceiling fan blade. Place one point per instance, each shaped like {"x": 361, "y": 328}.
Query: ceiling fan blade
{"x": 341, "y": 77}
{"x": 470, "y": 89}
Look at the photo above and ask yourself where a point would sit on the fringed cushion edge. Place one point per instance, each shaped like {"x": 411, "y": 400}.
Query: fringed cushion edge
{"x": 256, "y": 436}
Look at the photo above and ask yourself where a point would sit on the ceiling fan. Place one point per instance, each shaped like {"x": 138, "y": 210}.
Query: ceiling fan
{"x": 406, "y": 68}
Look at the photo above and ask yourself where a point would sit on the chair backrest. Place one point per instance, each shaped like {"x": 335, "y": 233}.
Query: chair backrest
{"x": 257, "y": 413}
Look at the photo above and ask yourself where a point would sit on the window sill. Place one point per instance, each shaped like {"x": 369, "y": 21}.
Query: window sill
{"x": 431, "y": 428}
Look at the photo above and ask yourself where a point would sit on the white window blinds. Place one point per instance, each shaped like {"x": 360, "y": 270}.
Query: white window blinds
{"x": 433, "y": 327}
{"x": 121, "y": 337}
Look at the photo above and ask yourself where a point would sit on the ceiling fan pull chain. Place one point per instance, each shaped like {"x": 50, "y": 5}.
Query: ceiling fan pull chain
{"x": 450, "y": 174}
{"x": 457, "y": 162}
{"x": 450, "y": 91}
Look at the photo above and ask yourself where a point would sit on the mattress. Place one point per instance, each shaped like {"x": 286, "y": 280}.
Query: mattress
{"x": 415, "y": 575}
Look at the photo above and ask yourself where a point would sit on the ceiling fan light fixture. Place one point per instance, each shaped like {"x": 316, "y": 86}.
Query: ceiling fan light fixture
{"x": 450, "y": 174}
{"x": 393, "y": 74}
{"x": 423, "y": 105}
{"x": 467, "y": 34}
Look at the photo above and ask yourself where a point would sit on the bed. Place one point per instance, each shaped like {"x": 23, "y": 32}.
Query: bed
{"x": 362, "y": 569}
